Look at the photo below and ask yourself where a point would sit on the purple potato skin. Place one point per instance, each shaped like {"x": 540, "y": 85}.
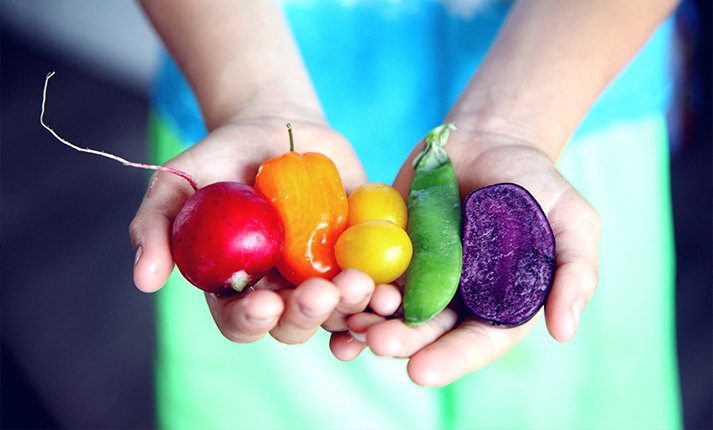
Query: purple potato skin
{"x": 508, "y": 255}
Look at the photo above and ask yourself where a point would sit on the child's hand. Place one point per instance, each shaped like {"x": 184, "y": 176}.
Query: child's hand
{"x": 233, "y": 153}
{"x": 453, "y": 344}
{"x": 383, "y": 303}
{"x": 291, "y": 315}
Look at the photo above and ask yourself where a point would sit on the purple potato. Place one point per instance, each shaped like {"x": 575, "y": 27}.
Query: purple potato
{"x": 508, "y": 255}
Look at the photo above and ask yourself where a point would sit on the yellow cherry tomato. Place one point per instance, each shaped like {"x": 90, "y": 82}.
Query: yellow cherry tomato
{"x": 381, "y": 249}
{"x": 375, "y": 201}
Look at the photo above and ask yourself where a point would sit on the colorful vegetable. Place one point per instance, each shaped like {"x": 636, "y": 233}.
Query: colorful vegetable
{"x": 381, "y": 249}
{"x": 508, "y": 255}
{"x": 226, "y": 236}
{"x": 434, "y": 226}
{"x": 376, "y": 201}
{"x": 308, "y": 193}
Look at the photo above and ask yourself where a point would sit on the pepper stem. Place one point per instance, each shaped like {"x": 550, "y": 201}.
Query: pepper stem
{"x": 292, "y": 139}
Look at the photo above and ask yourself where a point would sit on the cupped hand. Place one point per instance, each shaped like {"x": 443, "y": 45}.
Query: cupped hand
{"x": 454, "y": 343}
{"x": 234, "y": 152}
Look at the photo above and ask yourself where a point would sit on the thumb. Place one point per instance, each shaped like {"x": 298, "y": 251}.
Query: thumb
{"x": 402, "y": 182}
{"x": 150, "y": 230}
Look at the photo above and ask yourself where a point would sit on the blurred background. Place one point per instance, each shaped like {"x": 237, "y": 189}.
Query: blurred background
{"x": 77, "y": 336}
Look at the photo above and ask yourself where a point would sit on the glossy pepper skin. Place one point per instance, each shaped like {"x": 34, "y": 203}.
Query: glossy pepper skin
{"x": 309, "y": 195}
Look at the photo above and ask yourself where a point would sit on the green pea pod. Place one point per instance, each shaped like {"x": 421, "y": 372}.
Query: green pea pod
{"x": 434, "y": 227}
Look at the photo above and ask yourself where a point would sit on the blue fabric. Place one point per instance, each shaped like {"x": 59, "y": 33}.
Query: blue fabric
{"x": 174, "y": 100}
{"x": 386, "y": 74}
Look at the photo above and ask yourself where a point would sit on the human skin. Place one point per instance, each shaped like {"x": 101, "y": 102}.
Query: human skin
{"x": 548, "y": 65}
{"x": 249, "y": 78}
{"x": 550, "y": 62}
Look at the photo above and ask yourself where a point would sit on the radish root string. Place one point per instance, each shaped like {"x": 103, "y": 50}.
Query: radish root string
{"x": 183, "y": 175}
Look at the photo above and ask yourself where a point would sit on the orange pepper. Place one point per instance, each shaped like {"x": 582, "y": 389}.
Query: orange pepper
{"x": 309, "y": 195}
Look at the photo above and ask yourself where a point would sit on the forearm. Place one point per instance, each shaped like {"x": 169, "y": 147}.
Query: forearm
{"x": 550, "y": 62}
{"x": 239, "y": 56}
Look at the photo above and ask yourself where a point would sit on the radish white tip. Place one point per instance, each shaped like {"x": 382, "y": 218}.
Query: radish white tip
{"x": 239, "y": 280}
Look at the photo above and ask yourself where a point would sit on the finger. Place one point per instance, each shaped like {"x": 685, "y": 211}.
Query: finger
{"x": 402, "y": 182}
{"x": 358, "y": 324}
{"x": 355, "y": 289}
{"x": 466, "y": 349}
{"x": 306, "y": 308}
{"x": 393, "y": 338}
{"x": 386, "y": 299}
{"x": 344, "y": 347}
{"x": 572, "y": 289}
{"x": 150, "y": 230}
{"x": 576, "y": 273}
{"x": 245, "y": 318}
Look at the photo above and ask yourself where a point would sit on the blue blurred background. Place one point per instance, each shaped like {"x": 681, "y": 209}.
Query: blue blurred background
{"x": 77, "y": 337}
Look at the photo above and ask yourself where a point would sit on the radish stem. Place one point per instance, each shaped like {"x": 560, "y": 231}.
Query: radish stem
{"x": 183, "y": 175}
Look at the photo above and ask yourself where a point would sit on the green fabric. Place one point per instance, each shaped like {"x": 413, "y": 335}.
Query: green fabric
{"x": 619, "y": 372}
{"x": 165, "y": 140}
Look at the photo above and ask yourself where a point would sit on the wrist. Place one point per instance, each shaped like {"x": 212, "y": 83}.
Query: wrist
{"x": 273, "y": 103}
{"x": 240, "y": 58}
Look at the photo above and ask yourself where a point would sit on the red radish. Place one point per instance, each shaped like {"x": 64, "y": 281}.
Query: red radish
{"x": 226, "y": 236}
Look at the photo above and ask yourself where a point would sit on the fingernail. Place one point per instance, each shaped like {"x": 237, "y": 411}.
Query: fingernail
{"x": 576, "y": 310}
{"x": 311, "y": 314}
{"x": 352, "y": 303}
{"x": 259, "y": 321}
{"x": 137, "y": 256}
{"x": 359, "y": 337}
